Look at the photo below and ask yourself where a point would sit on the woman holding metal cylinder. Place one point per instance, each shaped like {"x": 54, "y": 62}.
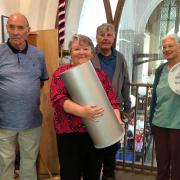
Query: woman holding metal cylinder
{"x": 77, "y": 155}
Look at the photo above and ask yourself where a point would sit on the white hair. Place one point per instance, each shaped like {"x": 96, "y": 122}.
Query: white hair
{"x": 172, "y": 36}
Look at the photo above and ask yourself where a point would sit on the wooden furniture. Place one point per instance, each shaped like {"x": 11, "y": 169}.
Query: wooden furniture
{"x": 47, "y": 42}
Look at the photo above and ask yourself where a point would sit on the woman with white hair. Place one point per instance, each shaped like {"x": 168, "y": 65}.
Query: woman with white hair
{"x": 165, "y": 113}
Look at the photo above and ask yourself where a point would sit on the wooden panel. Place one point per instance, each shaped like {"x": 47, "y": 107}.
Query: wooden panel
{"x": 32, "y": 39}
{"x": 47, "y": 42}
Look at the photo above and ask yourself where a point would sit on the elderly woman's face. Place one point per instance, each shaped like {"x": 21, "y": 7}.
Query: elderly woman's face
{"x": 171, "y": 48}
{"x": 80, "y": 52}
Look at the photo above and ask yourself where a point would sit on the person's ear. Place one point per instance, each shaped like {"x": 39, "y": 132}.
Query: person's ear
{"x": 29, "y": 30}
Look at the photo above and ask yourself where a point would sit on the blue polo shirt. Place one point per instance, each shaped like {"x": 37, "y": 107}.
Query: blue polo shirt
{"x": 21, "y": 73}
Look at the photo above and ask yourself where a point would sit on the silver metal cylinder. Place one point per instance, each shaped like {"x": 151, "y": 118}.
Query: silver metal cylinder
{"x": 85, "y": 88}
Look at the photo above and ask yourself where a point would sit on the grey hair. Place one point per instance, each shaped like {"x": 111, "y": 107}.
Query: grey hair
{"x": 81, "y": 38}
{"x": 106, "y": 27}
{"x": 172, "y": 36}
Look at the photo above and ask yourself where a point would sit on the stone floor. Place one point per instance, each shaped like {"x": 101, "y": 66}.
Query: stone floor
{"x": 120, "y": 175}
{"x": 127, "y": 175}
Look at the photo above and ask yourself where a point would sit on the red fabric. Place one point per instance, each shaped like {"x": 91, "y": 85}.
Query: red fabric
{"x": 138, "y": 137}
{"x": 67, "y": 123}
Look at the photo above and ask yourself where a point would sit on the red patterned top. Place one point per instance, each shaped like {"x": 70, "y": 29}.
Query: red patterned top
{"x": 68, "y": 123}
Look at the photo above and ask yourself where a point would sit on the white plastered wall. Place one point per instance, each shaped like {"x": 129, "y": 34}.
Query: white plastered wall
{"x": 6, "y": 8}
{"x": 42, "y": 13}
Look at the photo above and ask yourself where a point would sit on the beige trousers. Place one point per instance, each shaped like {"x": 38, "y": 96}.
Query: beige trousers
{"x": 28, "y": 141}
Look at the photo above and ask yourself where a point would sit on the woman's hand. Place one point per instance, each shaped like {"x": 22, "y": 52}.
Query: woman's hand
{"x": 91, "y": 111}
{"x": 86, "y": 111}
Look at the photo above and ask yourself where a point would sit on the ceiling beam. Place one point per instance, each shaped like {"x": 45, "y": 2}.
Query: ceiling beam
{"x": 118, "y": 13}
{"x": 116, "y": 20}
{"x": 108, "y": 11}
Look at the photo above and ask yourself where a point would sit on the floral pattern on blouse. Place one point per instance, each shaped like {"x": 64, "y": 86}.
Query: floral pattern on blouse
{"x": 65, "y": 122}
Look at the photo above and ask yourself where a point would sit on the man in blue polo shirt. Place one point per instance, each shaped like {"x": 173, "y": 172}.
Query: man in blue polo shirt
{"x": 22, "y": 73}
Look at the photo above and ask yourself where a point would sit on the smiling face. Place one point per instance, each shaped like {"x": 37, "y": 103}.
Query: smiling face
{"x": 18, "y": 30}
{"x": 171, "y": 48}
{"x": 80, "y": 52}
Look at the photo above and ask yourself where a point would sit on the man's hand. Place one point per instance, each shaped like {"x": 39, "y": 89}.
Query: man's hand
{"x": 128, "y": 116}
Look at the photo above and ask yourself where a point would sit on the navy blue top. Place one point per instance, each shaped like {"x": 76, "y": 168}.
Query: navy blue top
{"x": 108, "y": 63}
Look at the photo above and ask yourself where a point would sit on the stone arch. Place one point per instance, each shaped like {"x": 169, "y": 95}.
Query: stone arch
{"x": 146, "y": 14}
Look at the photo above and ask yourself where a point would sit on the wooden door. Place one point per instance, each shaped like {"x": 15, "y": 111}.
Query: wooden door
{"x": 47, "y": 42}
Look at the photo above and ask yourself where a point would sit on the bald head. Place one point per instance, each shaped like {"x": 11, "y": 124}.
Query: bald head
{"x": 18, "y": 30}
{"x": 18, "y": 16}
